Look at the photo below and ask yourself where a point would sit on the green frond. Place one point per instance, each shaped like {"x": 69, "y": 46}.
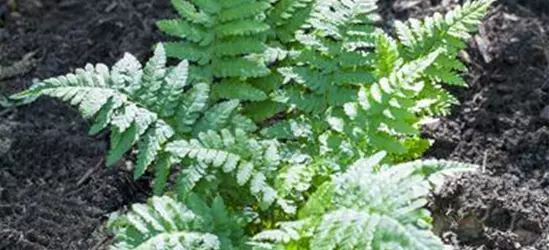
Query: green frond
{"x": 161, "y": 224}
{"x": 220, "y": 36}
{"x": 188, "y": 11}
{"x": 239, "y": 67}
{"x": 194, "y": 102}
{"x": 186, "y": 30}
{"x": 288, "y": 16}
{"x": 294, "y": 180}
{"x": 335, "y": 18}
{"x": 241, "y": 28}
{"x": 172, "y": 89}
{"x": 387, "y": 54}
{"x": 284, "y": 10}
{"x": 243, "y": 11}
{"x": 166, "y": 224}
{"x": 216, "y": 117}
{"x": 239, "y": 46}
{"x": 189, "y": 178}
{"x": 189, "y": 51}
{"x": 306, "y": 102}
{"x": 446, "y": 31}
{"x": 287, "y": 232}
{"x": 319, "y": 202}
{"x": 232, "y": 153}
{"x": 288, "y": 129}
{"x": 150, "y": 145}
{"x": 406, "y": 78}
{"x": 350, "y": 229}
{"x": 369, "y": 206}
{"x": 111, "y": 98}
{"x": 261, "y": 111}
{"x": 143, "y": 107}
{"x": 238, "y": 90}
{"x": 209, "y": 6}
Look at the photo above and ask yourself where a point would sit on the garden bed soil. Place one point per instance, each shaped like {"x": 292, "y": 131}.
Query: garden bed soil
{"x": 55, "y": 192}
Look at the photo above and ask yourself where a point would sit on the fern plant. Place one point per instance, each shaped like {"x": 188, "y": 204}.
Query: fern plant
{"x": 369, "y": 206}
{"x": 337, "y": 73}
{"x": 344, "y": 90}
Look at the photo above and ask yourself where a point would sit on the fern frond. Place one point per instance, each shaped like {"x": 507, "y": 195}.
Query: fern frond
{"x": 239, "y": 67}
{"x": 164, "y": 223}
{"x": 288, "y": 129}
{"x": 283, "y": 10}
{"x": 189, "y": 178}
{"x": 335, "y": 18}
{"x": 350, "y": 229}
{"x": 143, "y": 107}
{"x": 288, "y": 16}
{"x": 188, "y": 11}
{"x": 261, "y": 111}
{"x": 238, "y": 90}
{"x": 370, "y": 205}
{"x": 219, "y": 36}
{"x": 233, "y": 153}
{"x": 186, "y": 30}
{"x": 248, "y": 9}
{"x": 161, "y": 224}
{"x": 150, "y": 145}
{"x": 216, "y": 117}
{"x": 194, "y": 103}
{"x": 189, "y": 51}
{"x": 96, "y": 92}
{"x": 456, "y": 24}
{"x": 387, "y": 54}
{"x": 438, "y": 31}
{"x": 294, "y": 179}
{"x": 239, "y": 46}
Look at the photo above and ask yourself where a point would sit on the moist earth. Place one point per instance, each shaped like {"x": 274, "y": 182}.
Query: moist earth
{"x": 55, "y": 192}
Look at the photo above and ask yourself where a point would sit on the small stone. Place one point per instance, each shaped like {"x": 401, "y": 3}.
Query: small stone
{"x": 5, "y": 146}
{"x": 544, "y": 114}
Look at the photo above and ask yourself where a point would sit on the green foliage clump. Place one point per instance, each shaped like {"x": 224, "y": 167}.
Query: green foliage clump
{"x": 268, "y": 123}
{"x": 164, "y": 223}
{"x": 369, "y": 206}
{"x": 169, "y": 122}
{"x": 332, "y": 69}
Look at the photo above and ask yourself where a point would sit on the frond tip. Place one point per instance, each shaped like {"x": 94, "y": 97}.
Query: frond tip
{"x": 132, "y": 100}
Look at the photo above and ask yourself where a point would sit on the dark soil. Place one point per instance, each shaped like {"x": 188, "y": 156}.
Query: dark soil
{"x": 55, "y": 192}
